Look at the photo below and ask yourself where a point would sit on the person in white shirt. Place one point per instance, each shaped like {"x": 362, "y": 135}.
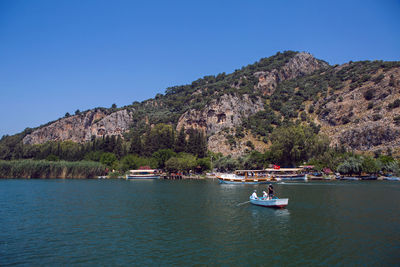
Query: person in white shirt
{"x": 265, "y": 195}
{"x": 254, "y": 195}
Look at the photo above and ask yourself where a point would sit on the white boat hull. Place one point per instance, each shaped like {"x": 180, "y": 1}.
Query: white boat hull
{"x": 272, "y": 203}
{"x": 235, "y": 179}
{"x": 292, "y": 178}
{"x": 133, "y": 177}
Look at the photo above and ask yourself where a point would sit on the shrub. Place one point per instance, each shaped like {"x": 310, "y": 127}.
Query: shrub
{"x": 376, "y": 117}
{"x": 394, "y": 104}
{"x": 370, "y": 105}
{"x": 250, "y": 144}
{"x": 396, "y": 120}
{"x": 369, "y": 94}
{"x": 379, "y": 78}
{"x": 345, "y": 120}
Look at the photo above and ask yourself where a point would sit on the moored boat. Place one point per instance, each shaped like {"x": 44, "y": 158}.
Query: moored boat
{"x": 142, "y": 174}
{"x": 285, "y": 174}
{"x": 244, "y": 177}
{"x": 350, "y": 178}
{"x": 271, "y": 203}
{"x": 391, "y": 178}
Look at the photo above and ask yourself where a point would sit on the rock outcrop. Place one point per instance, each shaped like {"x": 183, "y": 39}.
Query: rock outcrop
{"x": 82, "y": 127}
{"x": 223, "y": 113}
{"x": 301, "y": 64}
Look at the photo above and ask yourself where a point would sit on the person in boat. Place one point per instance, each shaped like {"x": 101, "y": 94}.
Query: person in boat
{"x": 270, "y": 191}
{"x": 254, "y": 195}
{"x": 265, "y": 195}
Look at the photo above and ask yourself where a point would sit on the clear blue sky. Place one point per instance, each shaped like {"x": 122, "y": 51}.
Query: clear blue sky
{"x": 59, "y": 56}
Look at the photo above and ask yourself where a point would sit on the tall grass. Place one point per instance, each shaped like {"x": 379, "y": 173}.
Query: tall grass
{"x": 50, "y": 169}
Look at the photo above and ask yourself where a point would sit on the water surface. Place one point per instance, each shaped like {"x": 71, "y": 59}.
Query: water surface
{"x": 113, "y": 222}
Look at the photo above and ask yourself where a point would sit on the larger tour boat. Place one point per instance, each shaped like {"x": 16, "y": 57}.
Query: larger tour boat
{"x": 142, "y": 174}
{"x": 283, "y": 174}
{"x": 244, "y": 177}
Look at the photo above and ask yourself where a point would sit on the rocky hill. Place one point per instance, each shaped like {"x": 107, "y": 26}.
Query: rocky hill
{"x": 356, "y": 104}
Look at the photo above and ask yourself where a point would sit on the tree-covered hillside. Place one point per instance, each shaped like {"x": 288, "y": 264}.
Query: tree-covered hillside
{"x": 300, "y": 96}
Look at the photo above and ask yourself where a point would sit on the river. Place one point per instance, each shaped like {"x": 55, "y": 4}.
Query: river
{"x": 192, "y": 222}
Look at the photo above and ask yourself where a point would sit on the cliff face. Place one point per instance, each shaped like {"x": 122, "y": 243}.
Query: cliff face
{"x": 229, "y": 111}
{"x": 81, "y": 128}
{"x": 301, "y": 64}
{"x": 226, "y": 112}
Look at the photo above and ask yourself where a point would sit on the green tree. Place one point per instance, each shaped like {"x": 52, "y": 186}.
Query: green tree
{"x": 294, "y": 144}
{"x": 352, "y": 165}
{"x": 180, "y": 144}
{"x": 129, "y": 162}
{"x": 162, "y": 156}
{"x": 203, "y": 164}
{"x": 226, "y": 164}
{"x": 93, "y": 156}
{"x": 161, "y": 136}
{"x": 197, "y": 143}
{"x": 119, "y": 150}
{"x": 183, "y": 162}
{"x": 253, "y": 161}
{"x": 108, "y": 159}
{"x": 370, "y": 165}
{"x": 136, "y": 145}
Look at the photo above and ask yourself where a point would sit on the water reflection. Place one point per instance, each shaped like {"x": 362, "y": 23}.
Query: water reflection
{"x": 276, "y": 215}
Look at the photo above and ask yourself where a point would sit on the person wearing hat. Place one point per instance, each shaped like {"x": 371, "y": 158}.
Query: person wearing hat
{"x": 270, "y": 191}
{"x": 254, "y": 195}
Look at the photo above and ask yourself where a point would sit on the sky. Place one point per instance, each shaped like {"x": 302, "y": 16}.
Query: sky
{"x": 60, "y": 56}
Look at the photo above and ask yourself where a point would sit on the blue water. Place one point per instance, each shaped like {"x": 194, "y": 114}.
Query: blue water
{"x": 112, "y": 222}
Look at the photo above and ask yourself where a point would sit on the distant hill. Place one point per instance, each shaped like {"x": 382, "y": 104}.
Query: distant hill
{"x": 356, "y": 104}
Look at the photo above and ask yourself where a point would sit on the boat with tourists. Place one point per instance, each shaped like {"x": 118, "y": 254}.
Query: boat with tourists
{"x": 143, "y": 174}
{"x": 244, "y": 177}
{"x": 271, "y": 203}
{"x": 284, "y": 174}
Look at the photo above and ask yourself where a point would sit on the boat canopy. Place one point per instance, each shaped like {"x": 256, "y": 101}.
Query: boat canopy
{"x": 284, "y": 170}
{"x": 250, "y": 171}
{"x": 141, "y": 171}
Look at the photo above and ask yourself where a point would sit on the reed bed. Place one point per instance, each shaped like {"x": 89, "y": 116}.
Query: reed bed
{"x": 42, "y": 169}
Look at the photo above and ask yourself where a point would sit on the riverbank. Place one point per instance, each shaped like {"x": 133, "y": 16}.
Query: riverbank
{"x": 43, "y": 169}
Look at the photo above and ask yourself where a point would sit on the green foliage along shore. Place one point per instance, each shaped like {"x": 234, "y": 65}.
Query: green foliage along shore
{"x": 50, "y": 169}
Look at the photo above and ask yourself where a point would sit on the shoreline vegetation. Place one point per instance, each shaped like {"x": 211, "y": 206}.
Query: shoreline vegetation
{"x": 165, "y": 149}
{"x": 42, "y": 169}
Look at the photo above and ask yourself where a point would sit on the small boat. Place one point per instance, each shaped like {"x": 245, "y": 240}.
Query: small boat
{"x": 392, "y": 178}
{"x": 244, "y": 177}
{"x": 350, "y": 178}
{"x": 142, "y": 174}
{"x": 271, "y": 203}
